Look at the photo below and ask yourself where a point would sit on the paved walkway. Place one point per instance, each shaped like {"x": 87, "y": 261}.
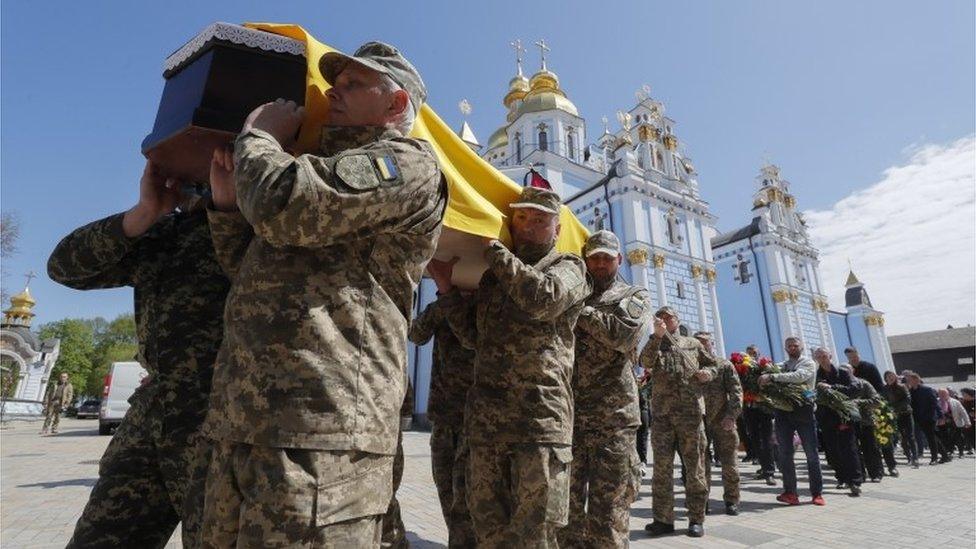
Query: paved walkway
{"x": 45, "y": 481}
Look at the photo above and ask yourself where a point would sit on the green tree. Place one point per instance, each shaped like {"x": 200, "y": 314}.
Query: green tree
{"x": 77, "y": 349}
{"x": 114, "y": 341}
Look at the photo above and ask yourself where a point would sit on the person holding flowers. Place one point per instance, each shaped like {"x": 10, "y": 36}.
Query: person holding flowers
{"x": 798, "y": 370}
{"x": 840, "y": 444}
{"x": 868, "y": 402}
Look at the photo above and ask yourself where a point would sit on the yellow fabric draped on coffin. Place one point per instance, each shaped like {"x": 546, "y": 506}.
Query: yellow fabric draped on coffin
{"x": 479, "y": 193}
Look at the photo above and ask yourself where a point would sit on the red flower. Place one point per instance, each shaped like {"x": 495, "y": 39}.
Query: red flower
{"x": 736, "y": 358}
{"x": 749, "y": 397}
{"x": 764, "y": 361}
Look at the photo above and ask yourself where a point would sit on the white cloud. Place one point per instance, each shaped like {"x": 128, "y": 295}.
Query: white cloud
{"x": 911, "y": 237}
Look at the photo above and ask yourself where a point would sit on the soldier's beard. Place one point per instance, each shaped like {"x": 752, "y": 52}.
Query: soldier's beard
{"x": 601, "y": 282}
{"x": 531, "y": 252}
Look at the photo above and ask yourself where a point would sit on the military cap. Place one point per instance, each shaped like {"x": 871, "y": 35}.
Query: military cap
{"x": 602, "y": 242}
{"x": 538, "y": 199}
{"x": 703, "y": 335}
{"x": 382, "y": 58}
{"x": 666, "y": 310}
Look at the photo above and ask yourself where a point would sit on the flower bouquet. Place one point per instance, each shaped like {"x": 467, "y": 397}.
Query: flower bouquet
{"x": 840, "y": 403}
{"x": 884, "y": 423}
{"x": 777, "y": 396}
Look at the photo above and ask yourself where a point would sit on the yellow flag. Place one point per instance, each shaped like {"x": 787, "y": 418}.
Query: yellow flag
{"x": 479, "y": 193}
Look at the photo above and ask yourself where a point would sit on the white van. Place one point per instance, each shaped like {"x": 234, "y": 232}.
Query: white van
{"x": 122, "y": 380}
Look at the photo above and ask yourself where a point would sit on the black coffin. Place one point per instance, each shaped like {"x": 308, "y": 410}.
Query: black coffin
{"x": 212, "y": 84}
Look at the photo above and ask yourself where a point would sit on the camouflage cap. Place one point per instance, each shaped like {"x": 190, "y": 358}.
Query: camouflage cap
{"x": 707, "y": 336}
{"x": 382, "y": 58}
{"x": 602, "y": 242}
{"x": 538, "y": 199}
{"x": 666, "y": 310}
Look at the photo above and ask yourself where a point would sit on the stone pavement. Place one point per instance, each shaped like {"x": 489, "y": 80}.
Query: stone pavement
{"x": 45, "y": 481}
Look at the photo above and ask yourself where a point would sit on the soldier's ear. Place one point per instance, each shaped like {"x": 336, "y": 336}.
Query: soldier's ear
{"x": 399, "y": 103}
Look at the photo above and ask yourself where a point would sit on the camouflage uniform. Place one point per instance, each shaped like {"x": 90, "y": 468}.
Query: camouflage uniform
{"x": 519, "y": 413}
{"x": 312, "y": 373}
{"x": 143, "y": 489}
{"x": 606, "y": 470}
{"x": 451, "y": 376}
{"x": 59, "y": 396}
{"x": 723, "y": 400}
{"x": 394, "y": 533}
{"x": 677, "y": 410}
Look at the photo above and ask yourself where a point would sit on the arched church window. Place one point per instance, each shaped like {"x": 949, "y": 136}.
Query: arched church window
{"x": 571, "y": 143}
{"x": 674, "y": 233}
{"x": 681, "y": 290}
{"x": 518, "y": 147}
{"x": 659, "y": 160}
{"x": 543, "y": 138}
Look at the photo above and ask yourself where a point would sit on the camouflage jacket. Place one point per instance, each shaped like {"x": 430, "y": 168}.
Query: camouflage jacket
{"x": 674, "y": 390}
{"x": 723, "y": 394}
{"x": 866, "y": 398}
{"x": 60, "y": 394}
{"x": 607, "y": 333}
{"x": 520, "y": 323}
{"x": 324, "y": 255}
{"x": 453, "y": 366}
{"x": 179, "y": 292}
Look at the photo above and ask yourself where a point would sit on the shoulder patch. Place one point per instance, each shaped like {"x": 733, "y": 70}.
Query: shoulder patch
{"x": 634, "y": 306}
{"x": 357, "y": 171}
{"x": 570, "y": 275}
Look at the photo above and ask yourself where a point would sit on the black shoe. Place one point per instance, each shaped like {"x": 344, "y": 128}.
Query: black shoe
{"x": 893, "y": 472}
{"x": 695, "y": 530}
{"x": 731, "y": 509}
{"x": 659, "y": 528}
{"x": 841, "y": 485}
{"x": 946, "y": 459}
{"x": 855, "y": 491}
{"x": 746, "y": 459}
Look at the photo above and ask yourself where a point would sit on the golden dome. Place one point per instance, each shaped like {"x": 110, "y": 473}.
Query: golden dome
{"x": 517, "y": 88}
{"x": 545, "y": 95}
{"x": 498, "y": 139}
{"x": 20, "y": 312}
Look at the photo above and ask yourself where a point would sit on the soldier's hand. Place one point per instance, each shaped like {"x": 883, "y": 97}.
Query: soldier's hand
{"x": 441, "y": 272}
{"x": 728, "y": 424}
{"x": 281, "y": 119}
{"x": 765, "y": 379}
{"x": 703, "y": 376}
{"x": 660, "y": 328}
{"x": 222, "y": 186}
{"x": 158, "y": 196}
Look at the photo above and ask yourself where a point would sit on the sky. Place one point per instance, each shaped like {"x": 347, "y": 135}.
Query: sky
{"x": 869, "y": 109}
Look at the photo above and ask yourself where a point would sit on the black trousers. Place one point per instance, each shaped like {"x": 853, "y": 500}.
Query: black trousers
{"x": 947, "y": 438}
{"x": 906, "y": 428}
{"x": 760, "y": 427}
{"x": 935, "y": 447}
{"x": 870, "y": 452}
{"x": 744, "y": 436}
{"x": 642, "y": 432}
{"x": 840, "y": 443}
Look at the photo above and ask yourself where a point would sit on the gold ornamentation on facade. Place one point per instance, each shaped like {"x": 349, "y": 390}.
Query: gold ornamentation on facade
{"x": 774, "y": 194}
{"x": 647, "y": 133}
{"x": 637, "y": 256}
{"x": 696, "y": 271}
{"x": 873, "y": 320}
{"x": 779, "y": 296}
{"x": 710, "y": 275}
{"x": 658, "y": 261}
{"x": 794, "y": 297}
{"x": 789, "y": 201}
{"x": 671, "y": 142}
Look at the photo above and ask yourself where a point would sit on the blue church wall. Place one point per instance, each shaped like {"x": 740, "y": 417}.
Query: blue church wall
{"x": 775, "y": 334}
{"x": 743, "y": 322}
{"x": 861, "y": 339}
{"x": 838, "y": 325}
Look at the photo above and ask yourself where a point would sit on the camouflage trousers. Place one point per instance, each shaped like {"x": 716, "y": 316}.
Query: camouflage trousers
{"x": 726, "y": 445}
{"x": 52, "y": 418}
{"x": 259, "y": 496}
{"x": 143, "y": 488}
{"x": 449, "y": 461}
{"x": 518, "y": 494}
{"x": 394, "y": 533}
{"x": 687, "y": 432}
{"x": 605, "y": 478}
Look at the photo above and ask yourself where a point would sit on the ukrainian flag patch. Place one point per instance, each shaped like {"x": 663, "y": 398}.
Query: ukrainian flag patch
{"x": 386, "y": 167}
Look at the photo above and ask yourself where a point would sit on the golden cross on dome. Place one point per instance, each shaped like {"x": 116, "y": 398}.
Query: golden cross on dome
{"x": 517, "y": 46}
{"x": 30, "y": 275}
{"x": 465, "y": 107}
{"x": 543, "y": 48}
